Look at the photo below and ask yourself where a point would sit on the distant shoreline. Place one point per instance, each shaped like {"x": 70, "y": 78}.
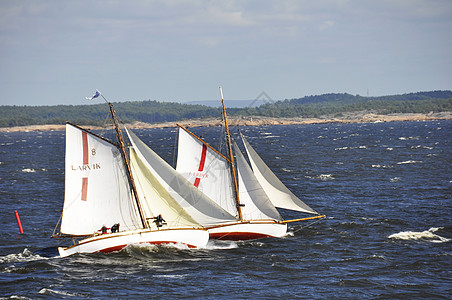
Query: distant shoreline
{"x": 355, "y": 117}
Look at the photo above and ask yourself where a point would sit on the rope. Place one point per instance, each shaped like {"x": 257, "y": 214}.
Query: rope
{"x": 303, "y": 227}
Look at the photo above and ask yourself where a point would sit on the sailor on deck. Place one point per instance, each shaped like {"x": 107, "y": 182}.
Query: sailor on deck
{"x": 159, "y": 220}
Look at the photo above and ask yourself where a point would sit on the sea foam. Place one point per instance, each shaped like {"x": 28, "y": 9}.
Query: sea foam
{"x": 427, "y": 235}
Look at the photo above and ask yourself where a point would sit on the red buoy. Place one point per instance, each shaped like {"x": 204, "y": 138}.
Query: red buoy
{"x": 18, "y": 222}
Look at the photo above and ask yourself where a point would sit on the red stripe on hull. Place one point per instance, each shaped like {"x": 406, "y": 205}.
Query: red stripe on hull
{"x": 237, "y": 236}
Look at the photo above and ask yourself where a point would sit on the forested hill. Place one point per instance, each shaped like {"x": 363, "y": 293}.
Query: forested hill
{"x": 347, "y": 98}
{"x": 331, "y": 104}
{"x": 155, "y": 112}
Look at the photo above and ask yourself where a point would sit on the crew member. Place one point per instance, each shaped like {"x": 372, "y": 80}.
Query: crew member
{"x": 115, "y": 228}
{"x": 104, "y": 229}
{"x": 159, "y": 221}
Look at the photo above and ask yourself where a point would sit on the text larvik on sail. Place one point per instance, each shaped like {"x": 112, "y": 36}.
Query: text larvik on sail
{"x": 86, "y": 167}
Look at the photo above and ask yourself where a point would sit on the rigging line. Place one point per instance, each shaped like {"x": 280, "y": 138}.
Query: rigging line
{"x": 105, "y": 124}
{"x": 175, "y": 149}
{"x": 58, "y": 223}
{"x": 303, "y": 227}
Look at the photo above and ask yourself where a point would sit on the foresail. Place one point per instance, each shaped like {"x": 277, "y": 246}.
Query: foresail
{"x": 278, "y": 193}
{"x": 257, "y": 205}
{"x": 97, "y": 190}
{"x": 155, "y": 199}
{"x": 206, "y": 170}
{"x": 199, "y": 206}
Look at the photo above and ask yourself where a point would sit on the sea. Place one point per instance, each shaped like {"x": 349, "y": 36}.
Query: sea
{"x": 385, "y": 188}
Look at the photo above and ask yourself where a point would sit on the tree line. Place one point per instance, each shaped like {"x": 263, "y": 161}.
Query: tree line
{"x": 152, "y": 111}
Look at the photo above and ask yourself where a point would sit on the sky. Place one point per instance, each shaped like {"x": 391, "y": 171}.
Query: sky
{"x": 59, "y": 52}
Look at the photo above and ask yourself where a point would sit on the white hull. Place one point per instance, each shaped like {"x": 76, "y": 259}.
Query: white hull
{"x": 193, "y": 238}
{"x": 247, "y": 231}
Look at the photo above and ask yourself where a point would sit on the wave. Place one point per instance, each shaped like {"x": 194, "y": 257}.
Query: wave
{"x": 345, "y": 148}
{"x": 326, "y": 176}
{"x": 427, "y": 235}
{"x": 381, "y": 166}
{"x": 322, "y": 177}
{"x": 220, "y": 245}
{"x": 26, "y": 255}
{"x": 409, "y": 162}
{"x": 423, "y": 147}
{"x": 46, "y": 291}
{"x": 28, "y": 170}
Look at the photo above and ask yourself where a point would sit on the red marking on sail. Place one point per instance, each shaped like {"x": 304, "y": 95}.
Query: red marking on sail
{"x": 85, "y": 148}
{"x": 197, "y": 181}
{"x": 84, "y": 188}
{"x": 201, "y": 164}
{"x": 203, "y": 158}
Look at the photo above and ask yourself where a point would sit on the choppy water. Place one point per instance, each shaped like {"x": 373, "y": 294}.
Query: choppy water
{"x": 386, "y": 189}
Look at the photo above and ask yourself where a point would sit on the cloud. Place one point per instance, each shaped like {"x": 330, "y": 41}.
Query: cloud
{"x": 267, "y": 41}
{"x": 325, "y": 25}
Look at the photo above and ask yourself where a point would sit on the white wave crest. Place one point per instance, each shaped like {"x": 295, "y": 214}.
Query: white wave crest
{"x": 26, "y": 255}
{"x": 409, "y": 162}
{"x": 171, "y": 276}
{"x": 45, "y": 291}
{"x": 28, "y": 170}
{"x": 153, "y": 247}
{"x": 219, "y": 245}
{"x": 427, "y": 235}
{"x": 326, "y": 176}
{"x": 381, "y": 166}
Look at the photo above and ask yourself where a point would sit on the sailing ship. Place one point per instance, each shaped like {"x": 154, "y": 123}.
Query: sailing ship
{"x": 250, "y": 194}
{"x": 106, "y": 184}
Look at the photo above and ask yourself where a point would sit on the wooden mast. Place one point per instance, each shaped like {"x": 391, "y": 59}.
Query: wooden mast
{"x": 231, "y": 159}
{"x": 126, "y": 162}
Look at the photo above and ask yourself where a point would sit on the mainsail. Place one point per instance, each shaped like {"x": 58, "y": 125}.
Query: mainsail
{"x": 155, "y": 199}
{"x": 206, "y": 169}
{"x": 199, "y": 206}
{"x": 257, "y": 206}
{"x": 278, "y": 193}
{"x": 97, "y": 190}
{"x": 210, "y": 172}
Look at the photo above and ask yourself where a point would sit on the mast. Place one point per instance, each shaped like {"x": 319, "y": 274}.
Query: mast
{"x": 126, "y": 162}
{"x": 231, "y": 159}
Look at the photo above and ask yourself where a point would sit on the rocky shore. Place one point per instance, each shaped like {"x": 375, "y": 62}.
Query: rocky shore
{"x": 353, "y": 117}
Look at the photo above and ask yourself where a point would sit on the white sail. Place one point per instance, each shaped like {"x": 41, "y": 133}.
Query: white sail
{"x": 155, "y": 199}
{"x": 198, "y": 205}
{"x": 257, "y": 205}
{"x": 97, "y": 190}
{"x": 278, "y": 193}
{"x": 205, "y": 169}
